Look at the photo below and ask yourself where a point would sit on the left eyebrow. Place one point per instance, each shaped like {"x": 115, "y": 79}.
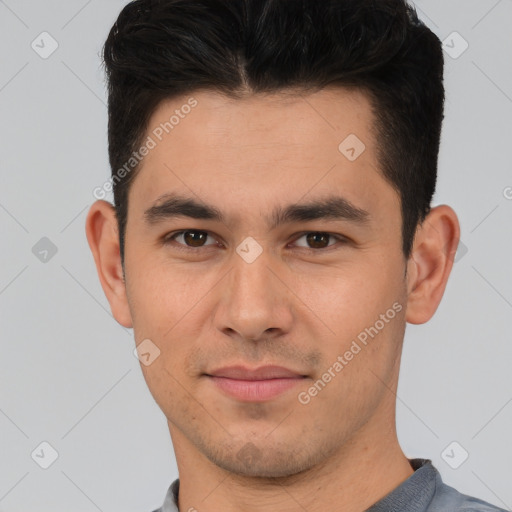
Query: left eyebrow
{"x": 330, "y": 208}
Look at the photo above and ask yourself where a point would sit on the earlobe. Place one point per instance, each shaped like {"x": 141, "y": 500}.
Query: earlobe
{"x": 103, "y": 238}
{"x": 431, "y": 262}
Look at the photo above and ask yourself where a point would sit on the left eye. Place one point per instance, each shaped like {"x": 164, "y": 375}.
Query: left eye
{"x": 318, "y": 240}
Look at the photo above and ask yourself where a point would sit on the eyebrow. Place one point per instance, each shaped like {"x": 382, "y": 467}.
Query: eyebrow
{"x": 170, "y": 206}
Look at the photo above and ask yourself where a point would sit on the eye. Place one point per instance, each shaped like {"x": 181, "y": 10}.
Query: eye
{"x": 189, "y": 239}
{"x": 195, "y": 239}
{"x": 319, "y": 240}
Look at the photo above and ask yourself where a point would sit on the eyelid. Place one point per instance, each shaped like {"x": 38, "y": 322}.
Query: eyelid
{"x": 170, "y": 238}
{"x": 339, "y": 238}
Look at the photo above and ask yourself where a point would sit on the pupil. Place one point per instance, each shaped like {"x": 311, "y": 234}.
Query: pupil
{"x": 313, "y": 239}
{"x": 194, "y": 238}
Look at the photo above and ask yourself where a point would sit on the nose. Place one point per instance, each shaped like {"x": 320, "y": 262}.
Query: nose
{"x": 255, "y": 302}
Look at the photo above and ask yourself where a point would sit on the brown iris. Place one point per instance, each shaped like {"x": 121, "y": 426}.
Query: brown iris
{"x": 195, "y": 238}
{"x": 316, "y": 240}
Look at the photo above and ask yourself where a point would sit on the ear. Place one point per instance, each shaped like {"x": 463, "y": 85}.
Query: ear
{"x": 430, "y": 263}
{"x": 103, "y": 236}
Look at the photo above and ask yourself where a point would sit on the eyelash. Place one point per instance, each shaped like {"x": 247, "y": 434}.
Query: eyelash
{"x": 170, "y": 239}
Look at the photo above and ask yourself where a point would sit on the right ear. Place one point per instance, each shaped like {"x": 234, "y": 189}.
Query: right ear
{"x": 102, "y": 233}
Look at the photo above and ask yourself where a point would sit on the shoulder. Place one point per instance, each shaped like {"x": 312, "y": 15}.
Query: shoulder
{"x": 447, "y": 498}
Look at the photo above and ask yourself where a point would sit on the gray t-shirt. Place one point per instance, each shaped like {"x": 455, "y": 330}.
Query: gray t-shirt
{"x": 423, "y": 491}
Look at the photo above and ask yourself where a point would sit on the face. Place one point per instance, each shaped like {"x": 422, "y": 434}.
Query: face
{"x": 290, "y": 258}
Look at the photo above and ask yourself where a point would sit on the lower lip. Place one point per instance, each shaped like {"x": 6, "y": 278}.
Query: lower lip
{"x": 255, "y": 390}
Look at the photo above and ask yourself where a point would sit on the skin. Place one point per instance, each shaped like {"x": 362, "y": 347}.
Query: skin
{"x": 207, "y": 307}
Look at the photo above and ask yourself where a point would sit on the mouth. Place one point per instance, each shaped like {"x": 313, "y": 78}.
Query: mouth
{"x": 255, "y": 385}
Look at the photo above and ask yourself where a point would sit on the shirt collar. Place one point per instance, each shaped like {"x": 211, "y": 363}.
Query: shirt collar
{"x": 171, "y": 498}
{"x": 413, "y": 495}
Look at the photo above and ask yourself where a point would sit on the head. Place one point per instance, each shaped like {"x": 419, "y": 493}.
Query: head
{"x": 273, "y": 165}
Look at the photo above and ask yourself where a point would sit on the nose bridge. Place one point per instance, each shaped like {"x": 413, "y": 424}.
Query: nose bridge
{"x": 252, "y": 282}
{"x": 253, "y": 298}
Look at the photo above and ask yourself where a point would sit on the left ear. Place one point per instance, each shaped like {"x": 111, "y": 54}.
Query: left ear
{"x": 431, "y": 262}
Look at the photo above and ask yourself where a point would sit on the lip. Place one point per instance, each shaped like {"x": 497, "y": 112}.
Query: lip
{"x": 255, "y": 385}
{"x": 261, "y": 373}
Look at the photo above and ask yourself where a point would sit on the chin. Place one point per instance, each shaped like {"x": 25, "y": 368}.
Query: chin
{"x": 254, "y": 462}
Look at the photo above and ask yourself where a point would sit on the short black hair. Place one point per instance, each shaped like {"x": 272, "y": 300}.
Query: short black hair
{"x": 160, "y": 49}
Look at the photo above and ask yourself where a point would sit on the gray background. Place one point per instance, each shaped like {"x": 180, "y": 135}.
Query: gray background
{"x": 68, "y": 373}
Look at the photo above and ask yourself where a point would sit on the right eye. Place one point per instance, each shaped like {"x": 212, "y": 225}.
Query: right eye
{"x": 190, "y": 239}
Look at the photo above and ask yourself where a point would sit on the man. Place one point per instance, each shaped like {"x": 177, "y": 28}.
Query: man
{"x": 273, "y": 165}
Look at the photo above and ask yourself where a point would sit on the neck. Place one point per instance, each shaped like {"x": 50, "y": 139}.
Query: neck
{"x": 364, "y": 470}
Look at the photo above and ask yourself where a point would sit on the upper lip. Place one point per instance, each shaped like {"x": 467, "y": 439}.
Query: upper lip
{"x": 261, "y": 373}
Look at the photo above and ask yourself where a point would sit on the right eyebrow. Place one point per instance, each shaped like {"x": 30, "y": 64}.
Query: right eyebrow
{"x": 172, "y": 205}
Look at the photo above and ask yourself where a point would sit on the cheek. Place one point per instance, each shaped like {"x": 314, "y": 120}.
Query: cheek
{"x": 347, "y": 299}
{"x": 161, "y": 296}
{"x": 173, "y": 394}
{"x": 361, "y": 364}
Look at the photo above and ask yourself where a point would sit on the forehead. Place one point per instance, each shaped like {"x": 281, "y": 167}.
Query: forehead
{"x": 262, "y": 147}
{"x": 274, "y": 120}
